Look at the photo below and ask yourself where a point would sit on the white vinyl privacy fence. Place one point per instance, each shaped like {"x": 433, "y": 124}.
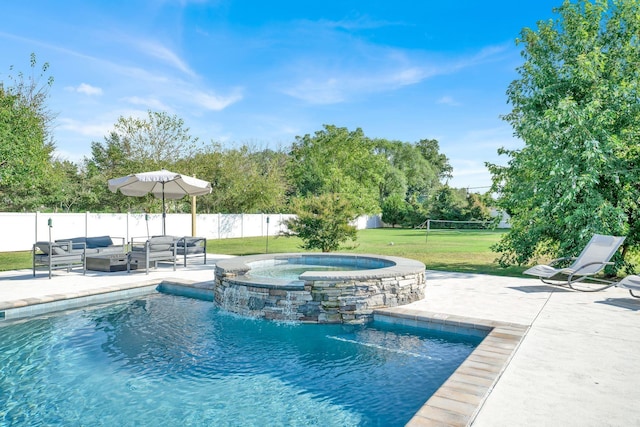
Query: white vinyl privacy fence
{"x": 21, "y": 230}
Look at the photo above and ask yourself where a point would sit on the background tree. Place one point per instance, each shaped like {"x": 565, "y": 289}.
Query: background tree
{"x": 449, "y": 204}
{"x": 409, "y": 173}
{"x": 394, "y": 210}
{"x": 336, "y": 160}
{"x": 413, "y": 173}
{"x": 25, "y": 148}
{"x": 157, "y": 141}
{"x": 430, "y": 150}
{"x": 478, "y": 207}
{"x": 323, "y": 222}
{"x": 575, "y": 106}
{"x": 33, "y": 93}
{"x": 111, "y": 159}
{"x": 415, "y": 212}
{"x": 139, "y": 145}
{"x": 243, "y": 180}
{"x": 65, "y": 191}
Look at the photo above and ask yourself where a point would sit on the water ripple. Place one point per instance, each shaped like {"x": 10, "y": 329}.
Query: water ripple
{"x": 163, "y": 360}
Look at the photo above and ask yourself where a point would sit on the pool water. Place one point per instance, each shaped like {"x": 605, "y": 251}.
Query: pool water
{"x": 292, "y": 271}
{"x": 169, "y": 360}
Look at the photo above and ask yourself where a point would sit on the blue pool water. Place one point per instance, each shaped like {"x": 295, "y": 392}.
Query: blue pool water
{"x": 169, "y": 360}
{"x": 292, "y": 271}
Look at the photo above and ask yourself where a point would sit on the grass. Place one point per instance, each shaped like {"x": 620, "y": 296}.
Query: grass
{"x": 460, "y": 251}
{"x": 465, "y": 251}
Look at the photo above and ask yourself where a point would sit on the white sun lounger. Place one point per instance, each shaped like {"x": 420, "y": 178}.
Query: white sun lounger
{"x": 591, "y": 261}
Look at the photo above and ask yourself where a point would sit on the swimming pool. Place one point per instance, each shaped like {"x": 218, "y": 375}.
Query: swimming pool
{"x": 170, "y": 360}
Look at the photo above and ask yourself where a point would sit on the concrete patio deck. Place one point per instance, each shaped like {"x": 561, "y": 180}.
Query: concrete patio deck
{"x": 577, "y": 364}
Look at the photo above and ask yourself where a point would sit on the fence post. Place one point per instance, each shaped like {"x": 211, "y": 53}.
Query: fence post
{"x": 36, "y": 239}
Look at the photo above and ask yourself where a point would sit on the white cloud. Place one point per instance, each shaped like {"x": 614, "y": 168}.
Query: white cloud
{"x": 470, "y": 174}
{"x": 87, "y": 89}
{"x": 329, "y": 91}
{"x": 159, "y": 51}
{"x": 214, "y": 102}
{"x": 372, "y": 69}
{"x": 340, "y": 87}
{"x": 72, "y": 156}
{"x": 96, "y": 130}
{"x": 493, "y": 138}
{"x": 151, "y": 103}
{"x": 408, "y": 76}
{"x": 448, "y": 100}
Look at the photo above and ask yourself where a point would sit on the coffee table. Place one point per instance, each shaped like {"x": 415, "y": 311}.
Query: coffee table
{"x": 109, "y": 262}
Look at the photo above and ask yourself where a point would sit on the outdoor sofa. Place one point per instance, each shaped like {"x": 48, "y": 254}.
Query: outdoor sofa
{"x": 72, "y": 253}
{"x": 101, "y": 245}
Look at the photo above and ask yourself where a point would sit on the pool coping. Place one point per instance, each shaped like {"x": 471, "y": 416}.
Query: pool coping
{"x": 399, "y": 266}
{"x": 459, "y": 399}
{"x": 456, "y": 402}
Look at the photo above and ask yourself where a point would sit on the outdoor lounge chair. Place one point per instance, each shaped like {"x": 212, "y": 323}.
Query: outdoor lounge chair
{"x": 153, "y": 250}
{"x": 584, "y": 269}
{"x": 630, "y": 283}
{"x": 59, "y": 255}
{"x": 192, "y": 247}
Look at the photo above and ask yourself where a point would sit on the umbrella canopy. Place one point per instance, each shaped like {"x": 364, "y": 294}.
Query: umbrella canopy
{"x": 162, "y": 184}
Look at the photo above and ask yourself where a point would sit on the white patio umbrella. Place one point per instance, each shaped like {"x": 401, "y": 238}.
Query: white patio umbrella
{"x": 162, "y": 184}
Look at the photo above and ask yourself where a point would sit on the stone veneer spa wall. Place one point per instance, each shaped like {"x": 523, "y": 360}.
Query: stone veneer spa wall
{"x": 318, "y": 296}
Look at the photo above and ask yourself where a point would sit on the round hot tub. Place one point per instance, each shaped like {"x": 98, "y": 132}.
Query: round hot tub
{"x": 317, "y": 287}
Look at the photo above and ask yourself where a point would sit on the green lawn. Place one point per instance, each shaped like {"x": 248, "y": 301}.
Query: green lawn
{"x": 462, "y": 251}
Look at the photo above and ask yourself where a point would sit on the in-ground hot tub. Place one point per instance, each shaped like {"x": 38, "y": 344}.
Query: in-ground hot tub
{"x": 327, "y": 288}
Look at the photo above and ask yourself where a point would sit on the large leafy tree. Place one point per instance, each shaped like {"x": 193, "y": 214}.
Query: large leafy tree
{"x": 33, "y": 92}
{"x": 449, "y": 204}
{"x": 409, "y": 173}
{"x": 576, "y": 106}
{"x": 336, "y": 160}
{"x": 157, "y": 141}
{"x": 244, "y": 180}
{"x": 68, "y": 189}
{"x": 430, "y": 151}
{"x": 25, "y": 146}
{"x": 394, "y": 210}
{"x": 139, "y": 145}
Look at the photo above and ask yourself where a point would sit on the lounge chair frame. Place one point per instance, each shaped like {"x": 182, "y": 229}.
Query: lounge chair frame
{"x": 630, "y": 283}
{"x": 583, "y": 270}
{"x": 60, "y": 255}
{"x": 192, "y": 247}
{"x": 146, "y": 255}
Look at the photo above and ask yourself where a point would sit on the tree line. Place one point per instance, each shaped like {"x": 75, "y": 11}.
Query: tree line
{"x": 575, "y": 105}
{"x": 405, "y": 181}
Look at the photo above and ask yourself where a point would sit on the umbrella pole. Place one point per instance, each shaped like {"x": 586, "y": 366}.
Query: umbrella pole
{"x": 193, "y": 216}
{"x": 164, "y": 214}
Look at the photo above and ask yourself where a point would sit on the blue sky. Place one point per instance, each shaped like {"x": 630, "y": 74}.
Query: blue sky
{"x": 263, "y": 72}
